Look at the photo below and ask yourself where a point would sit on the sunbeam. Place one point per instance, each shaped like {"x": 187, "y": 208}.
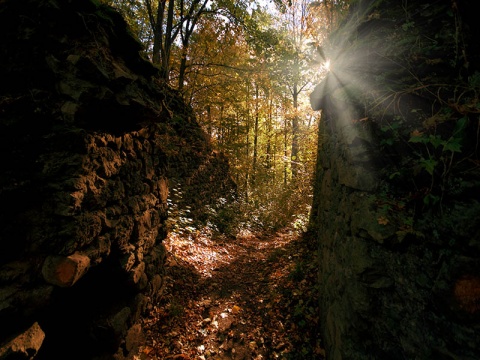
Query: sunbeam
{"x": 386, "y": 82}
{"x": 354, "y": 62}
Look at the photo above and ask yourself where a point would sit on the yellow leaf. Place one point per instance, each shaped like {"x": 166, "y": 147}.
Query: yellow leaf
{"x": 383, "y": 220}
{"x": 236, "y": 309}
{"x": 416, "y": 133}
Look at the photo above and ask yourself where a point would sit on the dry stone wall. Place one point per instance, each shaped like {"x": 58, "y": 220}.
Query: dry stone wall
{"x": 389, "y": 291}
{"x": 88, "y": 140}
{"x": 398, "y": 275}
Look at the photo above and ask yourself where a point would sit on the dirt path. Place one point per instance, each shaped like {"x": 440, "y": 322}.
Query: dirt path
{"x": 245, "y": 298}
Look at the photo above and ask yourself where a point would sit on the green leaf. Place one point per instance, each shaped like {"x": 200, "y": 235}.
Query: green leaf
{"x": 418, "y": 139}
{"x": 429, "y": 165}
{"x": 436, "y": 141}
{"x": 431, "y": 199}
{"x": 460, "y": 127}
{"x": 395, "y": 126}
{"x": 396, "y": 173}
{"x": 453, "y": 146}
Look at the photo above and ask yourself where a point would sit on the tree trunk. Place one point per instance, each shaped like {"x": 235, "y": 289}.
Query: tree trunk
{"x": 248, "y": 142}
{"x": 209, "y": 121}
{"x": 295, "y": 134}
{"x": 166, "y": 51}
{"x": 285, "y": 152}
{"x": 156, "y": 23}
{"x": 255, "y": 134}
{"x": 191, "y": 21}
{"x": 268, "y": 162}
{"x": 221, "y": 130}
{"x": 182, "y": 70}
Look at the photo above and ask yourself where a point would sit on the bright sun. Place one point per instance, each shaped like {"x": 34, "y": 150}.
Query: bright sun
{"x": 326, "y": 65}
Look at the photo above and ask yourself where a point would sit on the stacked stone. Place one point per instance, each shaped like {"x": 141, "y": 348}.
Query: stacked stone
{"x": 398, "y": 277}
{"x": 84, "y": 191}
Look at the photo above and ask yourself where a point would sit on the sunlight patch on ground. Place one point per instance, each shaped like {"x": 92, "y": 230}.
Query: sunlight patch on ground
{"x": 207, "y": 255}
{"x": 204, "y": 254}
{"x": 245, "y": 234}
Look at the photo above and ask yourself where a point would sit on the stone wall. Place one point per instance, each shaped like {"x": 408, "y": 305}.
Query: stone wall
{"x": 399, "y": 274}
{"x": 88, "y": 144}
{"x": 389, "y": 290}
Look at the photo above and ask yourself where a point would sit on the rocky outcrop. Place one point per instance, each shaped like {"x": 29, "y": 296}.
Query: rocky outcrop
{"x": 86, "y": 139}
{"x": 396, "y": 212}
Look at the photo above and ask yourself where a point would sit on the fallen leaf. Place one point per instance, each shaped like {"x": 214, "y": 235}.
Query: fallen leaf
{"x": 147, "y": 350}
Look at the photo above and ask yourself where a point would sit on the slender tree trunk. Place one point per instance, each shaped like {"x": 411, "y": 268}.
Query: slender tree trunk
{"x": 247, "y": 177}
{"x": 274, "y": 160}
{"x": 237, "y": 148}
{"x": 295, "y": 135}
{"x": 255, "y": 134}
{"x": 268, "y": 150}
{"x": 168, "y": 42}
{"x": 285, "y": 152}
{"x": 191, "y": 21}
{"x": 221, "y": 131}
{"x": 182, "y": 69}
{"x": 157, "y": 45}
{"x": 162, "y": 37}
{"x": 156, "y": 23}
{"x": 209, "y": 121}
{"x": 275, "y": 143}
{"x": 268, "y": 162}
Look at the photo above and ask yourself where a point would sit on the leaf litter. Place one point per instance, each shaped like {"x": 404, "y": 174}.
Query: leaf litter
{"x": 252, "y": 297}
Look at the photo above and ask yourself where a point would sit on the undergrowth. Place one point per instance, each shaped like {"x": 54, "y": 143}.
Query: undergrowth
{"x": 267, "y": 208}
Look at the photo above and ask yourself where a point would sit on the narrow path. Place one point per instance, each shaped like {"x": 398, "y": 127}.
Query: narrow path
{"x": 246, "y": 298}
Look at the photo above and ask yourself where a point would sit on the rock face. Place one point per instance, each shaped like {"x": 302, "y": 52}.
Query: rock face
{"x": 396, "y": 213}
{"x": 87, "y": 136}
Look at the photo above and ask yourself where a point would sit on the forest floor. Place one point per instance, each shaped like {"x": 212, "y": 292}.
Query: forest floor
{"x": 252, "y": 297}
